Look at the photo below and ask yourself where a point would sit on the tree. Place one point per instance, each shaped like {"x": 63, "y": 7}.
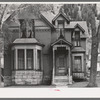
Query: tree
{"x": 89, "y": 15}
{"x": 72, "y": 10}
{"x": 6, "y": 13}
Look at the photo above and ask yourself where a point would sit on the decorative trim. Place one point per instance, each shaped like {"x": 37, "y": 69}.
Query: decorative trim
{"x": 77, "y": 25}
{"x": 46, "y": 30}
{"x": 61, "y": 40}
{"x": 59, "y": 15}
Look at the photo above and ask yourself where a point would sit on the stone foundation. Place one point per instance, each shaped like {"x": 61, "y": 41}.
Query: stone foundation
{"x": 7, "y": 81}
{"x": 27, "y": 77}
{"x": 78, "y": 76}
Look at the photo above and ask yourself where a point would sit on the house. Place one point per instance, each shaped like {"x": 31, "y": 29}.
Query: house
{"x": 46, "y": 49}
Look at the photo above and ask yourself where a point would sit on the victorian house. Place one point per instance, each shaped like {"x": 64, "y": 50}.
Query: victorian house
{"x": 48, "y": 49}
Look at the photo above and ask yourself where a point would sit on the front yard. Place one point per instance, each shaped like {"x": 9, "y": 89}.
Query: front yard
{"x": 83, "y": 84}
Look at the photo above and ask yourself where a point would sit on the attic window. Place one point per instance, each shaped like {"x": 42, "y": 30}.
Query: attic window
{"x": 60, "y": 23}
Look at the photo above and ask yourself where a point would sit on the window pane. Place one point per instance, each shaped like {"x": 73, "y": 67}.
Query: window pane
{"x": 29, "y": 59}
{"x": 77, "y": 64}
{"x": 20, "y": 59}
{"x": 38, "y": 60}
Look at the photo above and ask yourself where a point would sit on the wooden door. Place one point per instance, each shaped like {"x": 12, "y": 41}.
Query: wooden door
{"x": 61, "y": 64}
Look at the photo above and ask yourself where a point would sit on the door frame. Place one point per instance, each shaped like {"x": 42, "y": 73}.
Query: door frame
{"x": 69, "y": 67}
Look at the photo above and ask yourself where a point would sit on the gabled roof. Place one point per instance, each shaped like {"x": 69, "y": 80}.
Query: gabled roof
{"x": 60, "y": 13}
{"x": 48, "y": 15}
{"x": 61, "y": 40}
{"x": 77, "y": 25}
{"x": 82, "y": 24}
{"x": 46, "y": 19}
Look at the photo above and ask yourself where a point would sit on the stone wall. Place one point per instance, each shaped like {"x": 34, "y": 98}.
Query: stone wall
{"x": 7, "y": 80}
{"x": 27, "y": 77}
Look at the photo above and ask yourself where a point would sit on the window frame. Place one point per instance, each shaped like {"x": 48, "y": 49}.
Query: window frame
{"x": 23, "y": 60}
{"x": 77, "y": 64}
{"x": 82, "y": 63}
{"x": 77, "y": 42}
{"x": 32, "y": 66}
{"x": 61, "y": 22}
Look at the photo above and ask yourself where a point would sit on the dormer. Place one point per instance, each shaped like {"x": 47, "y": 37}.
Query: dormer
{"x": 60, "y": 20}
{"x": 78, "y": 32}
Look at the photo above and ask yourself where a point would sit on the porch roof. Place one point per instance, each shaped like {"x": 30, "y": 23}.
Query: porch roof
{"x": 78, "y": 49}
{"x": 27, "y": 41}
{"x": 61, "y": 40}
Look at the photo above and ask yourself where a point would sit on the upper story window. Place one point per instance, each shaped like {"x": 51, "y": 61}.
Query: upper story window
{"x": 60, "y": 23}
{"x": 77, "y": 38}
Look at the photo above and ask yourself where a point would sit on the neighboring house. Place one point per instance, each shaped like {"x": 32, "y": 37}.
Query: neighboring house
{"x": 49, "y": 49}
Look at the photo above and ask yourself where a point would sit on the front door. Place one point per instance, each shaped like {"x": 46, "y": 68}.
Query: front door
{"x": 61, "y": 63}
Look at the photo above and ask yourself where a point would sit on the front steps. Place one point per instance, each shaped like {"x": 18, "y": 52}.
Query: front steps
{"x": 62, "y": 80}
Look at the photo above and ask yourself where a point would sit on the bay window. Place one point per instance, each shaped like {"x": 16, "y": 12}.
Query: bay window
{"x": 26, "y": 58}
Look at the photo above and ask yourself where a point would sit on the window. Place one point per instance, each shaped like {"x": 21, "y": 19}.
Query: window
{"x": 77, "y": 38}
{"x": 21, "y": 59}
{"x": 30, "y": 59}
{"x": 26, "y": 59}
{"x": 13, "y": 59}
{"x": 60, "y": 23}
{"x": 38, "y": 60}
{"x": 77, "y": 64}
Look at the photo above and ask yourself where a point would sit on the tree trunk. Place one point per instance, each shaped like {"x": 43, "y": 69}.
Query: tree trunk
{"x": 94, "y": 56}
{"x": 93, "y": 70}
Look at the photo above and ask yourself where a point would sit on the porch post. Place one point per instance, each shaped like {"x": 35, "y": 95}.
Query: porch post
{"x": 35, "y": 58}
{"x": 25, "y": 59}
{"x": 53, "y": 65}
{"x": 69, "y": 73}
{"x": 16, "y": 59}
